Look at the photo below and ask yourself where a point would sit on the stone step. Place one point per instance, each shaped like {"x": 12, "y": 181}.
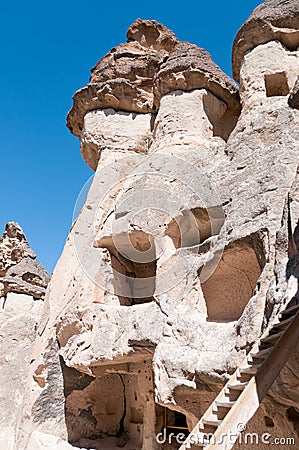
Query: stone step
{"x": 262, "y": 353}
{"x": 211, "y": 422}
{"x": 238, "y": 386}
{"x": 291, "y": 310}
{"x": 224, "y": 404}
{"x": 249, "y": 370}
{"x": 283, "y": 324}
{"x": 272, "y": 338}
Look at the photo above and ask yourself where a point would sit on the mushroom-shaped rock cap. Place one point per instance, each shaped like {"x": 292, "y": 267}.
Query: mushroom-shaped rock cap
{"x": 270, "y": 21}
{"x": 134, "y": 76}
{"x": 138, "y": 59}
{"x": 124, "y": 78}
{"x": 190, "y": 67}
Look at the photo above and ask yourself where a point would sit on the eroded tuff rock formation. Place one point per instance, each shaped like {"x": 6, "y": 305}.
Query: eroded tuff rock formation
{"x": 20, "y": 272}
{"x": 23, "y": 282}
{"x": 133, "y": 78}
{"x": 186, "y": 247}
{"x": 273, "y": 20}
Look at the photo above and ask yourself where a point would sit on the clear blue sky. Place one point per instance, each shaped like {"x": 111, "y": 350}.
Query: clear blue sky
{"x": 47, "y": 50}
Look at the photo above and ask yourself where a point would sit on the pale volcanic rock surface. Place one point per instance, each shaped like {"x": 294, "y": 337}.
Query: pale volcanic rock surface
{"x": 19, "y": 269}
{"x": 190, "y": 67}
{"x": 13, "y": 247}
{"x": 272, "y": 20}
{"x": 23, "y": 284}
{"x": 206, "y": 192}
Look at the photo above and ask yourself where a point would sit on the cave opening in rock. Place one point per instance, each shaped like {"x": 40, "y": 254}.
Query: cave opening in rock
{"x": 276, "y": 84}
{"x": 134, "y": 265}
{"x": 222, "y": 119}
{"x": 293, "y": 417}
{"x": 194, "y": 226}
{"x": 113, "y": 408}
{"x": 233, "y": 283}
{"x": 269, "y": 422}
{"x": 175, "y": 422}
{"x": 94, "y": 407}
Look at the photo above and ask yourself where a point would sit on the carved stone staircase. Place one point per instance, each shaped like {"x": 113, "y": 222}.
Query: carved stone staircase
{"x": 240, "y": 398}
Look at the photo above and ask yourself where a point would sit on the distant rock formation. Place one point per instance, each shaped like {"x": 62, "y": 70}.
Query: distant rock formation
{"x": 20, "y": 271}
{"x": 23, "y": 283}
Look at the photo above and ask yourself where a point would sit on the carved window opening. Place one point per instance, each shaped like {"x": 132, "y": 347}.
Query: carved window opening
{"x": 134, "y": 274}
{"x": 233, "y": 283}
{"x": 276, "y": 84}
{"x": 269, "y": 422}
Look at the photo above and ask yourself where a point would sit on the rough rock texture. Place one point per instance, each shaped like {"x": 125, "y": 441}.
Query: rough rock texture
{"x": 19, "y": 269}
{"x": 190, "y": 67}
{"x": 275, "y": 79}
{"x": 273, "y": 20}
{"x": 102, "y": 128}
{"x": 124, "y": 78}
{"x": 23, "y": 283}
{"x": 294, "y": 96}
{"x": 133, "y": 76}
{"x": 13, "y": 247}
{"x": 152, "y": 34}
{"x": 185, "y": 250}
{"x": 19, "y": 317}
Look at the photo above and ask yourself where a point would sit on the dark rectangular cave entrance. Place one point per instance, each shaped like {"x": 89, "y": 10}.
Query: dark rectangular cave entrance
{"x": 175, "y": 422}
{"x": 276, "y": 84}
